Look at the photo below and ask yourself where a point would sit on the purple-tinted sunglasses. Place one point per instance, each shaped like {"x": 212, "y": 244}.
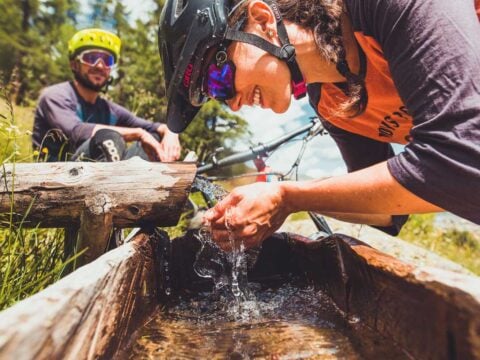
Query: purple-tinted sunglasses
{"x": 92, "y": 57}
{"x": 220, "y": 80}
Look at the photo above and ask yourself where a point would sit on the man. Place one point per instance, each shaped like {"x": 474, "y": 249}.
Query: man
{"x": 73, "y": 121}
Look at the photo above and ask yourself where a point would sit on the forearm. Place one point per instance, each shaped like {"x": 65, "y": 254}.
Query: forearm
{"x": 367, "y": 219}
{"x": 369, "y": 191}
{"x": 128, "y": 134}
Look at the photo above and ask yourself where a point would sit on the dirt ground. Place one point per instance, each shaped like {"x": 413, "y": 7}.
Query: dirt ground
{"x": 394, "y": 246}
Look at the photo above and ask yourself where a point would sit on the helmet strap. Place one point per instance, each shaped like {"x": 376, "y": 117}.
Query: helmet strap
{"x": 285, "y": 53}
{"x": 107, "y": 84}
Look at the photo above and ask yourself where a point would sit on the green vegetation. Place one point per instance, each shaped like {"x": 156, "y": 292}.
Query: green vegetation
{"x": 302, "y": 215}
{"x": 30, "y": 259}
{"x": 460, "y": 246}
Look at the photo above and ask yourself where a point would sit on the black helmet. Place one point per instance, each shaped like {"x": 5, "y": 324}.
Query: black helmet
{"x": 191, "y": 30}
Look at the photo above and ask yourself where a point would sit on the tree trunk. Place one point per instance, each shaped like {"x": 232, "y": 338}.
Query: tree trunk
{"x": 21, "y": 83}
{"x": 89, "y": 314}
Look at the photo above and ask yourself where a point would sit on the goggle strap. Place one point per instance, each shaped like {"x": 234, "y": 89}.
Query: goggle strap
{"x": 299, "y": 85}
{"x": 282, "y": 31}
{"x": 252, "y": 39}
{"x": 285, "y": 53}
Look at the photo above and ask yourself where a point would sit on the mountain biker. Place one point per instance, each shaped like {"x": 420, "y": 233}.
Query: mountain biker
{"x": 72, "y": 117}
{"x": 378, "y": 72}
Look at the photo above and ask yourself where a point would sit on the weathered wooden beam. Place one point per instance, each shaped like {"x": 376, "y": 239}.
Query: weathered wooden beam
{"x": 91, "y": 313}
{"x": 125, "y": 193}
{"x": 96, "y": 225}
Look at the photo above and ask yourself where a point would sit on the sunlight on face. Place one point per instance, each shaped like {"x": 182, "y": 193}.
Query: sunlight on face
{"x": 259, "y": 74}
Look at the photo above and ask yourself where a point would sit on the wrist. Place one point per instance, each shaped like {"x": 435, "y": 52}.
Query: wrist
{"x": 162, "y": 129}
{"x": 140, "y": 133}
{"x": 289, "y": 193}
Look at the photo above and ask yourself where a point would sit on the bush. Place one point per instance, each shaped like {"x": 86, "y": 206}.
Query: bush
{"x": 460, "y": 246}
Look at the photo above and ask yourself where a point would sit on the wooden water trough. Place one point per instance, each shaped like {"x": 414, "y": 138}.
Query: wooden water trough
{"x": 400, "y": 310}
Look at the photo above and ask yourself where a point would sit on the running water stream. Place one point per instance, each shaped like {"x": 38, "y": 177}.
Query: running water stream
{"x": 212, "y": 262}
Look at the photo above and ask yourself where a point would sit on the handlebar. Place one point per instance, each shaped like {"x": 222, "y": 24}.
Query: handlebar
{"x": 314, "y": 127}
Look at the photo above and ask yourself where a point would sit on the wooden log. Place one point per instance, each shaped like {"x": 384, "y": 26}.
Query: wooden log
{"x": 95, "y": 229}
{"x": 91, "y": 313}
{"x": 126, "y": 193}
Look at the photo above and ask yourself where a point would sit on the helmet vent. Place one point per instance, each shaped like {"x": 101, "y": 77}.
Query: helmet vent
{"x": 180, "y": 6}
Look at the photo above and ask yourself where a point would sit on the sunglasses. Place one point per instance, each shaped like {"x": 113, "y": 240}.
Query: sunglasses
{"x": 220, "y": 81}
{"x": 92, "y": 57}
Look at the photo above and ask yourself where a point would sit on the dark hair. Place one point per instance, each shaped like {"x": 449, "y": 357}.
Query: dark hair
{"x": 323, "y": 18}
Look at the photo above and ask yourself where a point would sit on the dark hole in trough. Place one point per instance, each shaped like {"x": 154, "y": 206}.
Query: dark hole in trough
{"x": 370, "y": 298}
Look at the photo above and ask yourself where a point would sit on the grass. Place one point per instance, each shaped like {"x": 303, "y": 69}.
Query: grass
{"x": 462, "y": 247}
{"x": 30, "y": 259}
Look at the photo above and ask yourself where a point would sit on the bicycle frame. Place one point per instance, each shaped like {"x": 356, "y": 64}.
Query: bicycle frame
{"x": 261, "y": 150}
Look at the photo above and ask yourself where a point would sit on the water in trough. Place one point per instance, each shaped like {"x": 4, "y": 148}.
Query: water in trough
{"x": 292, "y": 321}
{"x": 279, "y": 317}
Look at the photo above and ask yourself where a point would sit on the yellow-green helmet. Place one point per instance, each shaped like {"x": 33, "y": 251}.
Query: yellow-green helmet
{"x": 94, "y": 39}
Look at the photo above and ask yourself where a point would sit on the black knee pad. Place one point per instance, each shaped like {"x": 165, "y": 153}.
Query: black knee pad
{"x": 107, "y": 145}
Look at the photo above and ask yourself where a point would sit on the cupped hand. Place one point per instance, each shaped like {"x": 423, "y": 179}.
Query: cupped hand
{"x": 171, "y": 147}
{"x": 249, "y": 213}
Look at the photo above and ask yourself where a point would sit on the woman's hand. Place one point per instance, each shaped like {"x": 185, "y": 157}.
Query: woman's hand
{"x": 170, "y": 146}
{"x": 252, "y": 213}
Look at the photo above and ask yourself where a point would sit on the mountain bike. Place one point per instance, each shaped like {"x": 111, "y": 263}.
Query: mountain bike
{"x": 260, "y": 154}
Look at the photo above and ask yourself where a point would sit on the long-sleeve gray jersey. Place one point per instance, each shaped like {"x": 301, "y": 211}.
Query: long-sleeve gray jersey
{"x": 61, "y": 107}
{"x": 431, "y": 50}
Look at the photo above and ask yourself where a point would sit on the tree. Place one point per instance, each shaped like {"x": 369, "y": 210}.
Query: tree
{"x": 33, "y": 36}
{"x": 100, "y": 15}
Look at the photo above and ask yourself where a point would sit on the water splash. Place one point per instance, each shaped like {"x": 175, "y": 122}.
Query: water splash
{"x": 212, "y": 262}
{"x": 245, "y": 306}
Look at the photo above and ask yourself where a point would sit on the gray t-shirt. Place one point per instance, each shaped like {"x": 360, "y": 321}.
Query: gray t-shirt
{"x": 433, "y": 52}
{"x": 61, "y": 107}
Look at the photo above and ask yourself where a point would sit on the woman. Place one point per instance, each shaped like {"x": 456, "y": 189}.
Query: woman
{"x": 399, "y": 71}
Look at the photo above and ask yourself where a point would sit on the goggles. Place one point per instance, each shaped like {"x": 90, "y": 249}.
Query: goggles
{"x": 92, "y": 57}
{"x": 220, "y": 81}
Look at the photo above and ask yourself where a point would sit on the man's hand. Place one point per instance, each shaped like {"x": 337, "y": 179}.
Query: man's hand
{"x": 170, "y": 145}
{"x": 166, "y": 150}
{"x": 150, "y": 145}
